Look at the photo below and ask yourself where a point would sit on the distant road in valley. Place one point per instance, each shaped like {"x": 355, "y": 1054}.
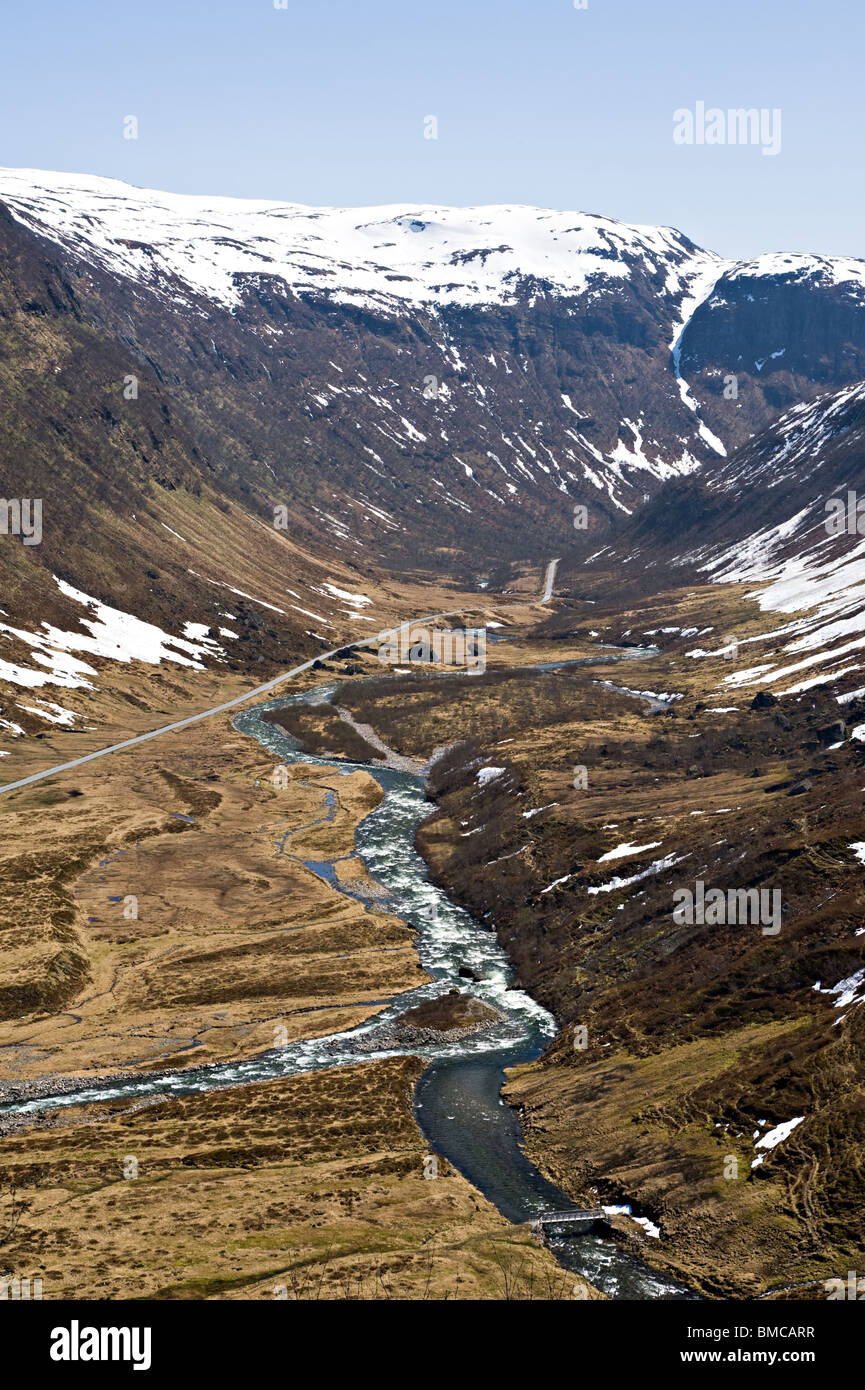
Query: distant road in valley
{"x": 217, "y": 709}
{"x": 242, "y": 699}
{"x": 549, "y": 581}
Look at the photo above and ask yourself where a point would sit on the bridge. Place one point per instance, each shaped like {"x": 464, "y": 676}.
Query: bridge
{"x": 574, "y": 1216}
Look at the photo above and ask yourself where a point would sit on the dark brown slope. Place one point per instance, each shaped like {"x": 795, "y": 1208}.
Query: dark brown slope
{"x": 771, "y": 493}
{"x": 452, "y": 438}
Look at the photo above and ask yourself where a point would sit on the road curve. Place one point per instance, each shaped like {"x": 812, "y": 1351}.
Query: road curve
{"x": 218, "y": 709}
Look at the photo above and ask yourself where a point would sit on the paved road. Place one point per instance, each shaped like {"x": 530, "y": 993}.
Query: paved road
{"x": 217, "y": 709}
{"x": 250, "y": 694}
{"x": 549, "y": 581}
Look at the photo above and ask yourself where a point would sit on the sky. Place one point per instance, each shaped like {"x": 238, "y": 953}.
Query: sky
{"x": 540, "y": 102}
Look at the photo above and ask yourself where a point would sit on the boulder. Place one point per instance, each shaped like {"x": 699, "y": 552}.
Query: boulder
{"x": 764, "y": 700}
{"x": 832, "y": 733}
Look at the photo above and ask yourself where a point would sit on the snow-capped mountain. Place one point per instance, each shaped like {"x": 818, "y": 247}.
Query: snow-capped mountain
{"x": 412, "y": 388}
{"x": 458, "y": 369}
{"x": 386, "y": 258}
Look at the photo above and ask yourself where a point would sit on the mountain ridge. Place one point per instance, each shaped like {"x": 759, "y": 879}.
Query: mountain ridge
{"x": 447, "y": 425}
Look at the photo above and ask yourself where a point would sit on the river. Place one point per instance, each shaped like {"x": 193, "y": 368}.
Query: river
{"x": 458, "y": 1102}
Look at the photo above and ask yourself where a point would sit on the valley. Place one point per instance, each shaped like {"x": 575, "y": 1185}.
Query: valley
{"x": 327, "y": 969}
{"x": 164, "y": 1000}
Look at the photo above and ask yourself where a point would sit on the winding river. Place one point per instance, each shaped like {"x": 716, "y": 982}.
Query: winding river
{"x": 458, "y": 1102}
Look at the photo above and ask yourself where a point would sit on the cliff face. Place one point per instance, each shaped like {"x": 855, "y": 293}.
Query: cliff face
{"x": 785, "y": 337}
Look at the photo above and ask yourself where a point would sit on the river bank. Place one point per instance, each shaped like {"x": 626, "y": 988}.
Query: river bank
{"x": 449, "y": 940}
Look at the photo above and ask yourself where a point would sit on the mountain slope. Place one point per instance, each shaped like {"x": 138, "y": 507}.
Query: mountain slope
{"x": 761, "y": 518}
{"x": 426, "y": 391}
{"x": 438, "y": 377}
{"x": 773, "y": 332}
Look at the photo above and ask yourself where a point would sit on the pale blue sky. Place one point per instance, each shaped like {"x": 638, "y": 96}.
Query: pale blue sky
{"x": 537, "y": 102}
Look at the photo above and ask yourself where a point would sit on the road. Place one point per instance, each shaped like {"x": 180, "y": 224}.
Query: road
{"x": 217, "y": 709}
{"x": 250, "y": 694}
{"x": 549, "y": 581}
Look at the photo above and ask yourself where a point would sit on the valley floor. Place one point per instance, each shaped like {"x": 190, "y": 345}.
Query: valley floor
{"x": 308, "y": 1188}
{"x": 683, "y": 1049}
{"x": 158, "y": 911}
